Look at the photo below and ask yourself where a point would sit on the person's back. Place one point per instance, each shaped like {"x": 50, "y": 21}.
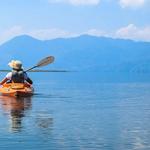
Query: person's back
{"x": 18, "y": 75}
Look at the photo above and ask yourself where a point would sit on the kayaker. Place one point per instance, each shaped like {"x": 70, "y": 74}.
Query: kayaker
{"x": 17, "y": 75}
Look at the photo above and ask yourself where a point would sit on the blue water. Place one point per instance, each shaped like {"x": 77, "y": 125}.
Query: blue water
{"x": 79, "y": 111}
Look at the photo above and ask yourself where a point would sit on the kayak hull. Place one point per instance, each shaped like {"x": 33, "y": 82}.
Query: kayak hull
{"x": 17, "y": 89}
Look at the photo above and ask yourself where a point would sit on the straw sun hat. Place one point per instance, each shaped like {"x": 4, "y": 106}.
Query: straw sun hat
{"x": 15, "y": 64}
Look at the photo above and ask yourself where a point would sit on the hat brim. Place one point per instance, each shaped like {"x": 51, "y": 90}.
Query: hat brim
{"x": 13, "y": 65}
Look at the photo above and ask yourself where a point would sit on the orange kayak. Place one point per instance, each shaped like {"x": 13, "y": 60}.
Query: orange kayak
{"x": 16, "y": 89}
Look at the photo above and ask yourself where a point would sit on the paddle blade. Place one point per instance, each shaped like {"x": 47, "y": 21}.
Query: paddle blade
{"x": 43, "y": 62}
{"x": 46, "y": 61}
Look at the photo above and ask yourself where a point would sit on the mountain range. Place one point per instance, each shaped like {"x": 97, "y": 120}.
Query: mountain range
{"x": 82, "y": 53}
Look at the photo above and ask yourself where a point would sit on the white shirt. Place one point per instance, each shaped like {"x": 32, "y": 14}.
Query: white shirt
{"x": 9, "y": 76}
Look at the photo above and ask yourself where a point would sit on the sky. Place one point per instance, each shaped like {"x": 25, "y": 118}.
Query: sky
{"x": 49, "y": 19}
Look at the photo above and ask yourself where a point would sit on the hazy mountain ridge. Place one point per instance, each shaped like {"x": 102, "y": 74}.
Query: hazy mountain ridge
{"x": 86, "y": 53}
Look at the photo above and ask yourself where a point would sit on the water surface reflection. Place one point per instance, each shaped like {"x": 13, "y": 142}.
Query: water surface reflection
{"x": 16, "y": 109}
{"x": 87, "y": 115}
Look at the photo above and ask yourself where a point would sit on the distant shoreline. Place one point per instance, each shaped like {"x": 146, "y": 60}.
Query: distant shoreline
{"x": 39, "y": 71}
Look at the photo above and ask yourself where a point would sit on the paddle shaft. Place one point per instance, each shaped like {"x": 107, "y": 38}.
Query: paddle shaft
{"x": 31, "y": 68}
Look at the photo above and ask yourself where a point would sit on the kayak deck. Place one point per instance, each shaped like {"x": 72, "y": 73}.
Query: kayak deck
{"x": 16, "y": 89}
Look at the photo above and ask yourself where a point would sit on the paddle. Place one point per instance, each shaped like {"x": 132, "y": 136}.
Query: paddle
{"x": 43, "y": 62}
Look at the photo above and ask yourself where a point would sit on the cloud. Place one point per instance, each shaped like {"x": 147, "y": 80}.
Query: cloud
{"x": 45, "y": 34}
{"x": 42, "y": 34}
{"x": 123, "y": 3}
{"x": 133, "y": 32}
{"x": 95, "y": 32}
{"x": 132, "y": 3}
{"x": 77, "y": 2}
{"x": 10, "y": 33}
{"x": 130, "y": 31}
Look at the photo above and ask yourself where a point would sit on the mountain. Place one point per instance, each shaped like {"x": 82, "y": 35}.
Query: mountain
{"x": 85, "y": 53}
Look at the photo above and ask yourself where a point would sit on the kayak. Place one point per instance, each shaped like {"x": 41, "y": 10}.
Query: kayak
{"x": 16, "y": 89}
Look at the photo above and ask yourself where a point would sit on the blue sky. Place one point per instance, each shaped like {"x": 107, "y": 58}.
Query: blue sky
{"x": 48, "y": 19}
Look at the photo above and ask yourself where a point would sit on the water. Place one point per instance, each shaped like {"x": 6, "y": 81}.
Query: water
{"x": 78, "y": 111}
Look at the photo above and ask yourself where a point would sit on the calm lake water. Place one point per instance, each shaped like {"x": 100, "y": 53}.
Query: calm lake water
{"x": 78, "y": 111}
